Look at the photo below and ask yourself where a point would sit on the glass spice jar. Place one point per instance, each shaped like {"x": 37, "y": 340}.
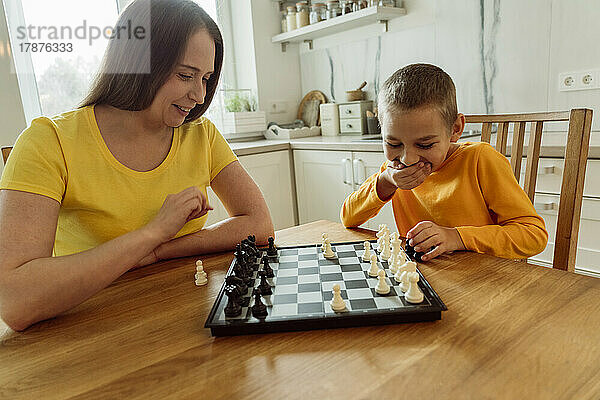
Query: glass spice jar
{"x": 291, "y": 19}
{"x": 283, "y": 22}
{"x": 345, "y": 6}
{"x": 316, "y": 13}
{"x": 302, "y": 14}
{"x": 333, "y": 9}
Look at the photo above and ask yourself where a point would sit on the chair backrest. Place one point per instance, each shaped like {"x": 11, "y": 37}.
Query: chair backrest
{"x": 576, "y": 153}
{"x": 5, "y": 152}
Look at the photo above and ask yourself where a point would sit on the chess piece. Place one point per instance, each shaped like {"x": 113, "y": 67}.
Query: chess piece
{"x": 272, "y": 250}
{"x": 382, "y": 286}
{"x": 267, "y": 268}
{"x": 265, "y": 288}
{"x": 385, "y": 252}
{"x": 233, "y": 307}
{"x": 408, "y": 266}
{"x": 323, "y": 237}
{"x": 393, "y": 260}
{"x": 383, "y": 240}
{"x": 374, "y": 268}
{"x": 328, "y": 253}
{"x": 337, "y": 302}
{"x": 413, "y": 294}
{"x": 259, "y": 309}
{"x": 403, "y": 281}
{"x": 411, "y": 253}
{"x": 241, "y": 285}
{"x": 200, "y": 276}
{"x": 382, "y": 228}
{"x": 367, "y": 254}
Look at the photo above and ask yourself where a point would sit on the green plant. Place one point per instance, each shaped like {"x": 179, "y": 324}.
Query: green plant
{"x": 238, "y": 102}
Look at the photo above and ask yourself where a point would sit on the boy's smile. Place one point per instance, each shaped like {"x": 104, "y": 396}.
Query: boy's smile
{"x": 418, "y": 135}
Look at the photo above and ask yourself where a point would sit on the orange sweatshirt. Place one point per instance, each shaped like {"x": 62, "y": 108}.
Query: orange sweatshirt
{"x": 475, "y": 191}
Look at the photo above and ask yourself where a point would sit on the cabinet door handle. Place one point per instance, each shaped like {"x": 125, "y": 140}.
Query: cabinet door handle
{"x": 545, "y": 206}
{"x": 344, "y": 170}
{"x": 360, "y": 177}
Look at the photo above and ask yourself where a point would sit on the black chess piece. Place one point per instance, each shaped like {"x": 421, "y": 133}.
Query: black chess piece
{"x": 251, "y": 256}
{"x": 239, "y": 282}
{"x": 267, "y": 268}
{"x": 233, "y": 307}
{"x": 264, "y": 287}
{"x": 259, "y": 309}
{"x": 411, "y": 253}
{"x": 272, "y": 250}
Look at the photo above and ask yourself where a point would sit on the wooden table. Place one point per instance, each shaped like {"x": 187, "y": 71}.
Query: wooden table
{"x": 511, "y": 331}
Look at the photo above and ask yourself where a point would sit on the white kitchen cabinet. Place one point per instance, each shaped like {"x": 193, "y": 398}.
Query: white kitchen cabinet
{"x": 366, "y": 164}
{"x": 325, "y": 178}
{"x": 323, "y": 181}
{"x": 272, "y": 173}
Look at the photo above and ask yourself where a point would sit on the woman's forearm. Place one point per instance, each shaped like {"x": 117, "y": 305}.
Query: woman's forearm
{"x": 44, "y": 287}
{"x": 221, "y": 236}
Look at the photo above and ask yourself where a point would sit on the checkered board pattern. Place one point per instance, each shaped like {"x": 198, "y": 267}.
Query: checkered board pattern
{"x": 302, "y": 291}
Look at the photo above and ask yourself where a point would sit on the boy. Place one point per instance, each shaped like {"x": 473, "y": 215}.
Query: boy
{"x": 445, "y": 196}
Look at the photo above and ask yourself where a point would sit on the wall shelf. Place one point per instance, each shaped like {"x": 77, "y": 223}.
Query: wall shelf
{"x": 367, "y": 16}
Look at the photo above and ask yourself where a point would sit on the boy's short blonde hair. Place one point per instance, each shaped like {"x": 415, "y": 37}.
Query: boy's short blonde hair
{"x": 418, "y": 85}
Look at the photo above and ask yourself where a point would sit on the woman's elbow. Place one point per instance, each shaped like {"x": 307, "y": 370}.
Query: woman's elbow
{"x": 13, "y": 316}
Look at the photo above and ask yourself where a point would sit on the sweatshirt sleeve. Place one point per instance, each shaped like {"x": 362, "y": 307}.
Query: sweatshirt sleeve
{"x": 362, "y": 204}
{"x": 518, "y": 231}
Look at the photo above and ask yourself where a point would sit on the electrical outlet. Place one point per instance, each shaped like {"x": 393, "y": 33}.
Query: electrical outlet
{"x": 566, "y": 81}
{"x": 582, "y": 80}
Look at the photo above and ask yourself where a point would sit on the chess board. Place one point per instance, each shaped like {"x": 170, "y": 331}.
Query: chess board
{"x": 302, "y": 290}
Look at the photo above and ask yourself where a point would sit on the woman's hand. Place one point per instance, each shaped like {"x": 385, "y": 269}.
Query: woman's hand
{"x": 176, "y": 210}
{"x": 427, "y": 235}
{"x": 410, "y": 177}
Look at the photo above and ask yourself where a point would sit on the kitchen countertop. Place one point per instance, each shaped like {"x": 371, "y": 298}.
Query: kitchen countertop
{"x": 353, "y": 143}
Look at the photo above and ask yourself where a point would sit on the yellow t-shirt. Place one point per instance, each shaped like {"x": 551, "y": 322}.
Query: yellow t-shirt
{"x": 66, "y": 159}
{"x": 475, "y": 191}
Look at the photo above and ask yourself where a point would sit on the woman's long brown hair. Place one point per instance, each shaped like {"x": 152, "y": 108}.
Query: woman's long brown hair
{"x": 129, "y": 77}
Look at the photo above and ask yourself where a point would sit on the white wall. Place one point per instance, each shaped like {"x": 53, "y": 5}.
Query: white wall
{"x": 510, "y": 62}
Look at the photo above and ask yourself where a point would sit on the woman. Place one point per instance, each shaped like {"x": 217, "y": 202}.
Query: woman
{"x": 121, "y": 181}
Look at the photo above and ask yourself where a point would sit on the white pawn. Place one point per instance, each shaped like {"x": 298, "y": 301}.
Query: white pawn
{"x": 382, "y": 286}
{"x": 374, "y": 270}
{"x": 414, "y": 294}
{"x": 328, "y": 253}
{"x": 367, "y": 254}
{"x": 201, "y": 277}
{"x": 337, "y": 302}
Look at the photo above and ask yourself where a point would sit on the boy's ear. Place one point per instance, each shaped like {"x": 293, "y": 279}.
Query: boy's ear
{"x": 458, "y": 127}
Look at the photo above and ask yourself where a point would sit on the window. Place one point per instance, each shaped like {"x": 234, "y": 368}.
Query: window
{"x": 52, "y": 82}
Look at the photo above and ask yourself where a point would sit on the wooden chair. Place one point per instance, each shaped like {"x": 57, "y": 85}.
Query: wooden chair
{"x": 5, "y": 152}
{"x": 576, "y": 153}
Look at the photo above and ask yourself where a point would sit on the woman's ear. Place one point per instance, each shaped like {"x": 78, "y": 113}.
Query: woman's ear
{"x": 457, "y": 127}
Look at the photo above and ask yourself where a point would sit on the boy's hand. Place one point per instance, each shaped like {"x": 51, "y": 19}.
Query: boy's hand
{"x": 427, "y": 234}
{"x": 410, "y": 177}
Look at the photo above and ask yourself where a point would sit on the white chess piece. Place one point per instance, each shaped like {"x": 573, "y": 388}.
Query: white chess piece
{"x": 385, "y": 252}
{"x": 382, "y": 286}
{"x": 323, "y": 237}
{"x": 367, "y": 254}
{"x": 414, "y": 294}
{"x": 382, "y": 227}
{"x": 403, "y": 281}
{"x": 409, "y": 266}
{"x": 201, "y": 277}
{"x": 383, "y": 240}
{"x": 374, "y": 268}
{"x": 337, "y": 302}
{"x": 328, "y": 253}
{"x": 393, "y": 260}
